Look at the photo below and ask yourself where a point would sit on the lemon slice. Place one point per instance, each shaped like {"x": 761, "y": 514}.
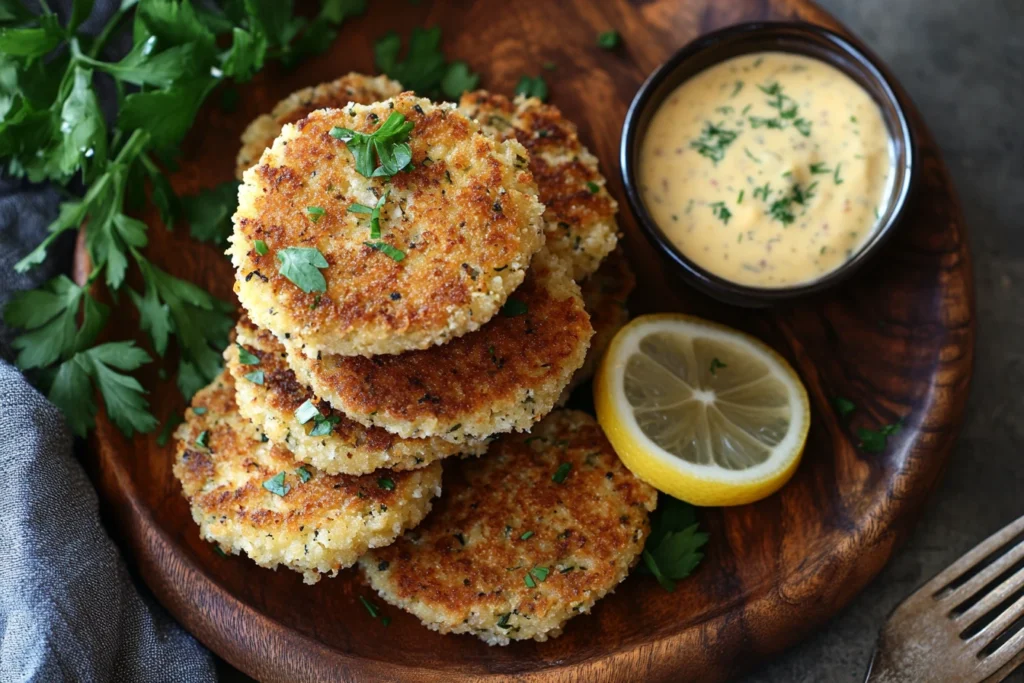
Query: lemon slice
{"x": 701, "y": 411}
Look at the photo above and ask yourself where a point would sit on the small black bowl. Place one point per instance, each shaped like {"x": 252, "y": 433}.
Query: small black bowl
{"x": 799, "y": 38}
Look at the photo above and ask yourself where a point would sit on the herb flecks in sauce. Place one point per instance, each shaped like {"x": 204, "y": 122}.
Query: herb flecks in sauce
{"x": 719, "y": 145}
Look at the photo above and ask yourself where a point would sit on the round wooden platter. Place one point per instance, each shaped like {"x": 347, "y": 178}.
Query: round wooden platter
{"x": 898, "y": 341}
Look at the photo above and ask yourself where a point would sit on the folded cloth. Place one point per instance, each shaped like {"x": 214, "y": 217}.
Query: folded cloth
{"x": 68, "y": 608}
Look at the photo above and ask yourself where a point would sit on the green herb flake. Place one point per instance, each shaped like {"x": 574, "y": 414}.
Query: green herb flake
{"x": 370, "y": 607}
{"x": 874, "y": 441}
{"x": 276, "y": 485}
{"x": 301, "y": 266}
{"x": 360, "y": 208}
{"x": 217, "y": 549}
{"x": 540, "y": 573}
{"x": 843, "y": 406}
{"x": 261, "y": 247}
{"x": 199, "y": 410}
{"x": 386, "y": 483}
{"x": 532, "y": 86}
{"x": 593, "y": 187}
{"x": 528, "y": 580}
{"x": 306, "y": 412}
{"x": 820, "y": 168}
{"x": 203, "y": 440}
{"x": 714, "y": 140}
{"x": 315, "y": 213}
{"x": 526, "y": 536}
{"x": 256, "y": 377}
{"x": 736, "y": 88}
{"x": 835, "y": 177}
{"x": 719, "y": 210}
{"x": 395, "y": 254}
{"x": 562, "y": 472}
{"x": 514, "y": 307}
{"x": 609, "y": 40}
{"x": 739, "y": 199}
{"x": 716, "y": 365}
{"x": 303, "y": 474}
{"x": 503, "y": 621}
{"x": 245, "y": 357}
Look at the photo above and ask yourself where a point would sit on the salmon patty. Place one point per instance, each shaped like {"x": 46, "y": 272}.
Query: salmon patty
{"x": 250, "y": 496}
{"x": 503, "y": 377}
{"x": 449, "y": 239}
{"x": 579, "y": 215}
{"x": 271, "y": 397}
{"x": 523, "y": 539}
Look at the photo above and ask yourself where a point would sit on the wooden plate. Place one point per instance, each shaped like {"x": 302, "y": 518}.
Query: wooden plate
{"x": 898, "y": 341}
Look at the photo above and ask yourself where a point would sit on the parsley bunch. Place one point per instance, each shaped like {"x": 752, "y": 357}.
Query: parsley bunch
{"x": 425, "y": 68}
{"x": 52, "y": 129}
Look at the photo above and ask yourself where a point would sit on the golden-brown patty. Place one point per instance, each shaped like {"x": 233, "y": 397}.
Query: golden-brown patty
{"x": 465, "y": 217}
{"x": 505, "y": 376}
{"x": 353, "y": 87}
{"x": 523, "y": 539}
{"x": 579, "y": 214}
{"x": 250, "y": 496}
{"x": 269, "y": 395}
{"x": 604, "y": 295}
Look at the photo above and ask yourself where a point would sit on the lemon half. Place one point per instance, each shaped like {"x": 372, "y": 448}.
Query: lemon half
{"x": 700, "y": 411}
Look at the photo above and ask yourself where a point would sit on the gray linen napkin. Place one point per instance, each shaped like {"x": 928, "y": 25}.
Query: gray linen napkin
{"x": 69, "y": 610}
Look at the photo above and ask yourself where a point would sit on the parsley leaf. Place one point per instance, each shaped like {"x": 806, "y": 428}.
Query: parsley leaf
{"x": 609, "y": 40}
{"x": 208, "y": 213}
{"x": 715, "y": 365}
{"x": 303, "y": 474}
{"x": 425, "y": 69}
{"x": 306, "y": 412}
{"x": 533, "y": 86}
{"x": 276, "y": 485}
{"x": 874, "y": 441}
{"x": 382, "y": 153}
{"x": 672, "y": 550}
{"x": 256, "y": 377}
{"x": 385, "y": 248}
{"x": 301, "y": 266}
{"x": 386, "y": 483}
{"x": 562, "y": 472}
{"x": 246, "y": 357}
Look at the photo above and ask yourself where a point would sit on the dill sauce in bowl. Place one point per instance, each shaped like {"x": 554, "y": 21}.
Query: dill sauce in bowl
{"x": 768, "y": 160}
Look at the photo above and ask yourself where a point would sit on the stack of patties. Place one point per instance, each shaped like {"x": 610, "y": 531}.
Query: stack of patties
{"x": 409, "y": 276}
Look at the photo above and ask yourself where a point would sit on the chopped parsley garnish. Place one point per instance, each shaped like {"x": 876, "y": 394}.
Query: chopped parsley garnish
{"x": 514, "y": 307}
{"x": 820, "y": 168}
{"x": 835, "y": 178}
{"x": 782, "y": 208}
{"x": 713, "y": 141}
{"x": 245, "y": 357}
{"x": 721, "y": 212}
{"x": 356, "y": 207}
{"x": 276, "y": 485}
{"x": 301, "y": 266}
{"x": 256, "y": 376}
{"x": 395, "y": 254}
{"x": 843, "y": 406}
{"x": 763, "y": 191}
{"x": 315, "y": 212}
{"x": 383, "y": 153}
{"x": 503, "y": 621}
{"x": 261, "y": 247}
{"x": 303, "y": 474}
{"x": 370, "y": 607}
{"x": 874, "y": 441}
{"x": 562, "y": 472}
{"x": 306, "y": 412}
{"x": 374, "y": 212}
{"x": 593, "y": 187}
{"x": 751, "y": 156}
{"x": 736, "y": 89}
{"x": 739, "y": 199}
{"x": 323, "y": 425}
{"x": 786, "y": 109}
{"x": 803, "y": 126}
{"x": 673, "y": 548}
{"x": 526, "y": 536}
{"x": 199, "y": 410}
{"x": 386, "y": 483}
{"x": 217, "y": 549}
{"x": 203, "y": 440}
{"x": 608, "y": 40}
{"x": 540, "y": 573}
{"x": 716, "y": 365}
{"x": 533, "y": 86}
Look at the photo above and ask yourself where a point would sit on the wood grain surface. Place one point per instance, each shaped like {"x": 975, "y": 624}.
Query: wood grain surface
{"x": 897, "y": 340}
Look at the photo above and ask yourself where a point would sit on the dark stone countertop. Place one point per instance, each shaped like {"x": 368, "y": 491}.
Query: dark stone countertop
{"x": 962, "y": 61}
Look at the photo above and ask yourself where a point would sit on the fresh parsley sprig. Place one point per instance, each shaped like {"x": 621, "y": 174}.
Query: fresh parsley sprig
{"x": 53, "y": 129}
{"x": 673, "y": 548}
{"x": 425, "y": 69}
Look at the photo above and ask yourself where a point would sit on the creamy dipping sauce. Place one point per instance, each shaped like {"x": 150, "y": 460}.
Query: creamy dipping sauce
{"x": 768, "y": 169}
